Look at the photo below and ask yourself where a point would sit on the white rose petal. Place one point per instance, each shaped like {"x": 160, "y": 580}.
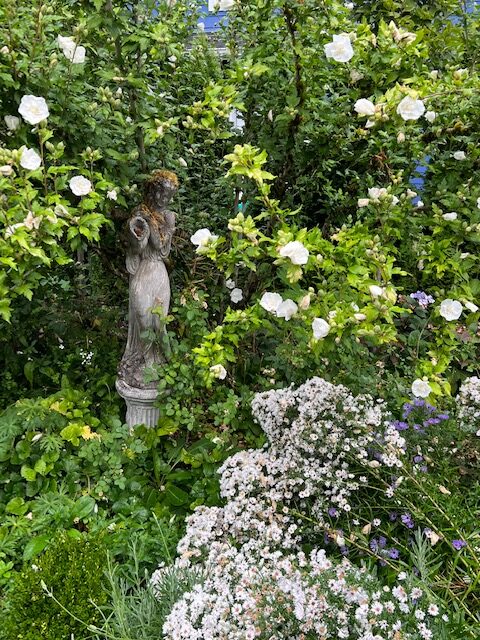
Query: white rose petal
{"x": 320, "y": 328}
{"x": 287, "y": 309}
{"x": 80, "y": 186}
{"x": 430, "y": 116}
{"x": 421, "y": 389}
{"x": 112, "y": 195}
{"x": 230, "y": 284}
{"x": 33, "y": 109}
{"x": 12, "y": 122}
{"x": 450, "y": 216}
{"x": 30, "y": 160}
{"x": 236, "y": 295}
{"x": 31, "y": 221}
{"x": 376, "y": 193}
{"x": 376, "y": 291}
{"x": 450, "y": 309}
{"x": 340, "y": 49}
{"x": 219, "y": 371}
{"x": 359, "y": 316}
{"x": 271, "y": 301}
{"x": 202, "y": 237}
{"x": 471, "y": 307}
{"x": 363, "y": 202}
{"x": 71, "y": 50}
{"x": 410, "y": 109}
{"x": 6, "y": 170}
{"x": 295, "y": 250}
{"x": 369, "y": 124}
{"x": 459, "y": 155}
{"x": 364, "y": 107}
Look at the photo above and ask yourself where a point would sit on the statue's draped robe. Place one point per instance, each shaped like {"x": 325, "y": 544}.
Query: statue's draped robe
{"x": 149, "y": 289}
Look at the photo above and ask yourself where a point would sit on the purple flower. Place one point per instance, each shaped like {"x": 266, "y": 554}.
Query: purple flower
{"x": 407, "y": 520}
{"x": 393, "y": 515}
{"x": 417, "y": 458}
{"x": 458, "y": 544}
{"x": 399, "y": 425}
{"x": 422, "y": 298}
{"x": 393, "y": 553}
{"x": 332, "y": 512}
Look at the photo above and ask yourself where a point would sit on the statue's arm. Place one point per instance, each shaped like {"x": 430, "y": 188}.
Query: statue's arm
{"x": 139, "y": 233}
{"x": 162, "y": 238}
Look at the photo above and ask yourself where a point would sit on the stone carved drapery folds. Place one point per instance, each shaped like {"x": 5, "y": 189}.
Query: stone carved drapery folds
{"x": 150, "y": 230}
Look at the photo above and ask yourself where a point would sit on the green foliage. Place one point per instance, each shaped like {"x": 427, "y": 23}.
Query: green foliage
{"x": 72, "y": 569}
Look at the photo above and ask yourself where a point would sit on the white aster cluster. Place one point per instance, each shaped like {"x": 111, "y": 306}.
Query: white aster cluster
{"x": 468, "y": 406}
{"x": 258, "y": 582}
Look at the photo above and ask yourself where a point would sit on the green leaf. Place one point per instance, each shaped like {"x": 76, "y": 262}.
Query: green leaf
{"x": 17, "y": 506}
{"x": 35, "y": 546}
{"x": 83, "y": 507}
{"x": 176, "y": 496}
{"x": 28, "y": 473}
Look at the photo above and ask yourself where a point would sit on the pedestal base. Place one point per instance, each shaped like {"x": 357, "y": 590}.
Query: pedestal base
{"x": 140, "y": 409}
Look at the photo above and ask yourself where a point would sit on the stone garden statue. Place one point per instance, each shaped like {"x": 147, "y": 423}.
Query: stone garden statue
{"x": 150, "y": 229}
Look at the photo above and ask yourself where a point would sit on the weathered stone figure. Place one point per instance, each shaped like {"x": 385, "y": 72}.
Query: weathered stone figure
{"x": 150, "y": 230}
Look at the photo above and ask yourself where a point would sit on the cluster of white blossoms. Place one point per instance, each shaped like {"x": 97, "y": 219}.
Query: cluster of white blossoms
{"x": 259, "y": 583}
{"x": 274, "y": 303}
{"x": 71, "y": 50}
{"x": 468, "y": 405}
{"x": 376, "y": 195}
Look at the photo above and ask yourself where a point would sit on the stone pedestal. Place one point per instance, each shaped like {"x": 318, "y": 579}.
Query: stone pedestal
{"x": 140, "y": 404}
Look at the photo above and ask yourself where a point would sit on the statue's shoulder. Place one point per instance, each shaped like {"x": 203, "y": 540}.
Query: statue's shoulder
{"x": 140, "y": 210}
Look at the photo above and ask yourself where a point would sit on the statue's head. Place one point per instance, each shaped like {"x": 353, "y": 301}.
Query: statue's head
{"x": 160, "y": 188}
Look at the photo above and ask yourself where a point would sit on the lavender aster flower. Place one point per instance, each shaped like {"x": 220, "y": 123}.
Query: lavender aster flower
{"x": 422, "y": 298}
{"x": 458, "y": 544}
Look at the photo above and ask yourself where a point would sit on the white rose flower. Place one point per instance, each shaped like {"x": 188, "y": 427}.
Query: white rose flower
{"x": 376, "y": 193}
{"x": 459, "y": 155}
{"x": 304, "y": 302}
{"x": 421, "y": 389}
{"x": 202, "y": 237}
{"x": 410, "y": 109}
{"x": 376, "y": 291}
{"x": 450, "y": 309}
{"x": 230, "y": 284}
{"x": 71, "y": 50}
{"x": 340, "y": 49}
{"x": 287, "y": 309}
{"x": 271, "y": 301}
{"x": 430, "y": 116}
{"x": 219, "y": 371}
{"x": 30, "y": 159}
{"x": 450, "y": 216}
{"x": 236, "y": 295}
{"x": 31, "y": 221}
{"x": 33, "y": 109}
{"x": 471, "y": 307}
{"x": 80, "y": 186}
{"x": 12, "y": 122}
{"x": 320, "y": 328}
{"x": 478, "y": 203}
{"x": 364, "y": 107}
{"x": 295, "y": 250}
{"x": 6, "y": 170}
{"x": 363, "y": 202}
{"x": 359, "y": 317}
